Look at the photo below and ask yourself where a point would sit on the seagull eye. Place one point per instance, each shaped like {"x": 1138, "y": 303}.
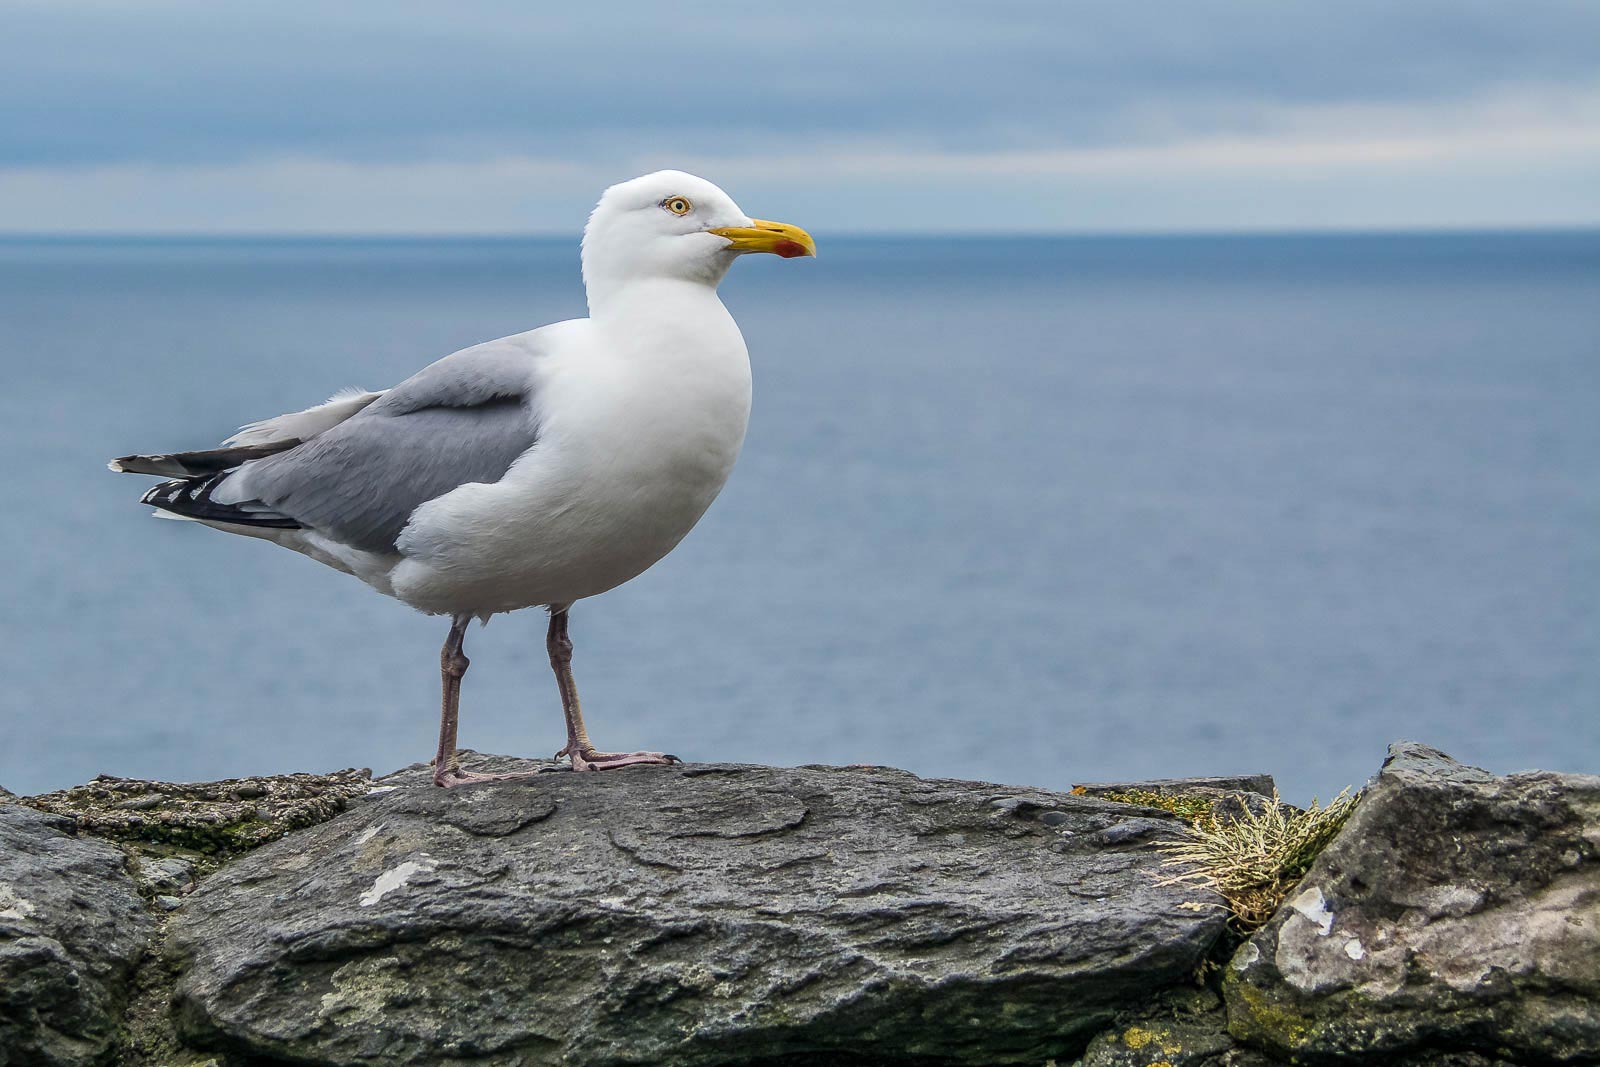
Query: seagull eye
{"x": 677, "y": 205}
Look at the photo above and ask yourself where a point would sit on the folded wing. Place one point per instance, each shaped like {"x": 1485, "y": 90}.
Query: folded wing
{"x": 464, "y": 419}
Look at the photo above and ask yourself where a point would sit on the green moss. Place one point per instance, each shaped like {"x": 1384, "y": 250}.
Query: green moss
{"x": 148, "y": 1035}
{"x": 1264, "y": 1019}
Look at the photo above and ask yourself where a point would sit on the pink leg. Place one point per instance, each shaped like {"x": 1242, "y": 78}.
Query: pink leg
{"x": 579, "y": 748}
{"x": 453, "y": 665}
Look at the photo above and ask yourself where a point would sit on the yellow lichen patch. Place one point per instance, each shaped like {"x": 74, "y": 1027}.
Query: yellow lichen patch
{"x": 1138, "y": 1037}
{"x": 1265, "y": 1020}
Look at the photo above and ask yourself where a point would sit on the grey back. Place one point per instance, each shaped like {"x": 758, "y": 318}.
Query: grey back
{"x": 463, "y": 419}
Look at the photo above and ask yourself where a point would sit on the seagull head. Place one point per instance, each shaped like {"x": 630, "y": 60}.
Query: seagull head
{"x": 674, "y": 225}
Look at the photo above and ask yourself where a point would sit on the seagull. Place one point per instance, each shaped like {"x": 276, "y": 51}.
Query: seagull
{"x": 532, "y": 471}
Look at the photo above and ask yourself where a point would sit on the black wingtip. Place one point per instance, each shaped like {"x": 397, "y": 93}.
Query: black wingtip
{"x": 191, "y": 498}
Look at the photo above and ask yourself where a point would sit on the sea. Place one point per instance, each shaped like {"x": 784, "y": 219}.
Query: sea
{"x": 1036, "y": 511}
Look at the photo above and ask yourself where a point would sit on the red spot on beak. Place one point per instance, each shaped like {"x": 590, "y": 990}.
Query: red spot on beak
{"x": 789, "y": 249}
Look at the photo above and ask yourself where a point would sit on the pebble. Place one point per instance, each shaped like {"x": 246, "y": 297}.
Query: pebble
{"x": 169, "y": 874}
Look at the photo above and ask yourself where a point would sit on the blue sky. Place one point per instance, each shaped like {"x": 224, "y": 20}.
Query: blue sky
{"x": 174, "y": 116}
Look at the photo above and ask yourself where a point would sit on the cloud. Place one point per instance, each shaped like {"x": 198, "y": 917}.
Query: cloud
{"x": 89, "y": 83}
{"x": 1509, "y": 159}
{"x": 177, "y": 115}
{"x": 1514, "y": 125}
{"x": 300, "y": 195}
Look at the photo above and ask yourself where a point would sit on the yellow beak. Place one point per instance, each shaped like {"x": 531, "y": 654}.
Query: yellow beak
{"x": 779, "y": 238}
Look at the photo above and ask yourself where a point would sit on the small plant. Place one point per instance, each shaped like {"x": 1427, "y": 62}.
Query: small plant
{"x": 1253, "y": 859}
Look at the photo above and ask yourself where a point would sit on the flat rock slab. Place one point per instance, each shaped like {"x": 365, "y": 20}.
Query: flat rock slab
{"x": 72, "y": 929}
{"x": 1261, "y": 784}
{"x": 689, "y": 915}
{"x": 1456, "y": 911}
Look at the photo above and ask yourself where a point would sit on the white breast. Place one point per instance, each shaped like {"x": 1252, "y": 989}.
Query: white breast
{"x": 641, "y": 420}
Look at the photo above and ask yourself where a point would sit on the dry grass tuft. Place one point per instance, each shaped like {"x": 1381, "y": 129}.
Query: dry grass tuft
{"x": 1254, "y": 859}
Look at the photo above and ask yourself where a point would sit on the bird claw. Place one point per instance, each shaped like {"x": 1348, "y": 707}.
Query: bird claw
{"x": 454, "y": 777}
{"x": 591, "y": 760}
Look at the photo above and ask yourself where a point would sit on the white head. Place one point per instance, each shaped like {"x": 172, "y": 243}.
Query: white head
{"x": 674, "y": 225}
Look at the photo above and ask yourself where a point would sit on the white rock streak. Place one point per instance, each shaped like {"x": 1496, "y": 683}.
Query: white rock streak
{"x": 1311, "y": 905}
{"x": 13, "y": 905}
{"x": 393, "y": 879}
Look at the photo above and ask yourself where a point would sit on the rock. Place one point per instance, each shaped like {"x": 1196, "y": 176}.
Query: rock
{"x": 687, "y": 915}
{"x": 72, "y": 929}
{"x": 1456, "y": 915}
{"x": 165, "y": 875}
{"x": 1225, "y": 799}
{"x": 222, "y": 817}
{"x": 1232, "y": 808}
{"x": 1261, "y": 784}
{"x": 1184, "y": 1028}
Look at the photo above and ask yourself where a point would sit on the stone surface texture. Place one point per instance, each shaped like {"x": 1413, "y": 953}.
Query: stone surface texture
{"x": 231, "y": 815}
{"x": 761, "y": 917}
{"x": 72, "y": 930}
{"x": 688, "y": 915}
{"x": 1457, "y": 913}
{"x": 1185, "y": 1027}
{"x": 1260, "y": 784}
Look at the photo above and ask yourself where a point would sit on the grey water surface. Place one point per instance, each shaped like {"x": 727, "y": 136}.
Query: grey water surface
{"x": 1034, "y": 511}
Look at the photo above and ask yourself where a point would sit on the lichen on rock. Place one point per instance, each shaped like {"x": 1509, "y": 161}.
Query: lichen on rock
{"x": 213, "y": 818}
{"x": 1185, "y": 1027}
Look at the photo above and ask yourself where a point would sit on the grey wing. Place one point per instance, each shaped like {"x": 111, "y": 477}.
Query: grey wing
{"x": 464, "y": 419}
